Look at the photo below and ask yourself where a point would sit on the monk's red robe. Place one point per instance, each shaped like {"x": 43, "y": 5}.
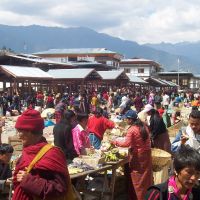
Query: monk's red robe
{"x": 48, "y": 178}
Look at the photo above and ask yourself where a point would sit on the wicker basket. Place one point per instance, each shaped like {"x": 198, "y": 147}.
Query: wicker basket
{"x": 173, "y": 130}
{"x": 160, "y": 159}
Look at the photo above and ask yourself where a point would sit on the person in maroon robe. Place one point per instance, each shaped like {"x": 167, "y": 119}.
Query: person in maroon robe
{"x": 48, "y": 177}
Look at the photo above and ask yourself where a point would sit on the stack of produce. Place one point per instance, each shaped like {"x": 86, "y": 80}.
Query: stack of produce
{"x": 112, "y": 153}
{"x": 94, "y": 159}
{"x": 78, "y": 167}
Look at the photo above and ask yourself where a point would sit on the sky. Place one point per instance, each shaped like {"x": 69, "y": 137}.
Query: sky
{"x": 142, "y": 21}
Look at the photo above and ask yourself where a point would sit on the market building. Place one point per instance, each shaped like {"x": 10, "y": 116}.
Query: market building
{"x": 185, "y": 80}
{"x": 140, "y": 67}
{"x": 19, "y": 59}
{"x": 23, "y": 79}
{"x": 66, "y": 75}
{"x": 83, "y": 55}
{"x": 68, "y": 80}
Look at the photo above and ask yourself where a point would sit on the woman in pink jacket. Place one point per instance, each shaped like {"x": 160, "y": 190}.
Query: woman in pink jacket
{"x": 80, "y": 135}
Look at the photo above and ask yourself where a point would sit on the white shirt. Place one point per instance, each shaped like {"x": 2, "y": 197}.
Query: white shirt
{"x": 165, "y": 100}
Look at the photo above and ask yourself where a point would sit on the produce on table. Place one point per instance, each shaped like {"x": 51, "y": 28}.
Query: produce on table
{"x": 113, "y": 154}
{"x": 73, "y": 170}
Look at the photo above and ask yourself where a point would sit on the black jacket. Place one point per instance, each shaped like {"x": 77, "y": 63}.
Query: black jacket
{"x": 160, "y": 192}
{"x": 63, "y": 139}
{"x": 5, "y": 173}
{"x": 157, "y": 126}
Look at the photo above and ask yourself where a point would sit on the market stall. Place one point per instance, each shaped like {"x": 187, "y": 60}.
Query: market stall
{"x": 108, "y": 188}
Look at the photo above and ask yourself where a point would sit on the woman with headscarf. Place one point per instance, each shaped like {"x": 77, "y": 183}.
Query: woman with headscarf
{"x": 140, "y": 162}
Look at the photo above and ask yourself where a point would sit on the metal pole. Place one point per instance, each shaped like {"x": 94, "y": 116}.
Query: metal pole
{"x": 178, "y": 74}
{"x": 10, "y": 191}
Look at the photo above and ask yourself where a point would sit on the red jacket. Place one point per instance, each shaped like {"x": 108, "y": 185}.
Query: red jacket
{"x": 98, "y": 125}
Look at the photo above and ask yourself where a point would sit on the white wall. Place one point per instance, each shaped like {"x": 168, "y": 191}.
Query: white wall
{"x": 134, "y": 70}
{"x": 194, "y": 83}
{"x": 87, "y": 58}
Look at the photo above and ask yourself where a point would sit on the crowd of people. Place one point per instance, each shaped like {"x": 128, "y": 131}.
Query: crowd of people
{"x": 81, "y": 120}
{"x": 88, "y": 100}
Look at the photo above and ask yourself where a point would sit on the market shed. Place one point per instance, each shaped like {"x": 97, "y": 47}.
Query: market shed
{"x": 170, "y": 85}
{"x": 74, "y": 79}
{"x": 156, "y": 83}
{"x": 21, "y": 79}
{"x": 137, "y": 83}
{"x": 136, "y": 80}
{"x": 112, "y": 79}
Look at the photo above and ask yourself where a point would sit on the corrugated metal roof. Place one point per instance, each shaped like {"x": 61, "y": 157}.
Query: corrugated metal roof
{"x": 173, "y": 84}
{"x": 110, "y": 75}
{"x": 25, "y": 72}
{"x": 71, "y": 73}
{"x": 86, "y": 63}
{"x": 167, "y": 82}
{"x": 159, "y": 82}
{"x": 180, "y": 72}
{"x": 136, "y": 60}
{"x": 135, "y": 79}
{"x": 37, "y": 59}
{"x": 76, "y": 51}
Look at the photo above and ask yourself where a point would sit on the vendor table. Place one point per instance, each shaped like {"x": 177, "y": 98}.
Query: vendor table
{"x": 107, "y": 190}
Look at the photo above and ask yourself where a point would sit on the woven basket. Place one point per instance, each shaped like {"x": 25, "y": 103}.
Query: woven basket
{"x": 173, "y": 130}
{"x": 160, "y": 158}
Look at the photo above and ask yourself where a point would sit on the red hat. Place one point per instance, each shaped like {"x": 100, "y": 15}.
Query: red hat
{"x": 30, "y": 120}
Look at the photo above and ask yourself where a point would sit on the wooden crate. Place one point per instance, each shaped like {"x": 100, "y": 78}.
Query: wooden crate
{"x": 16, "y": 143}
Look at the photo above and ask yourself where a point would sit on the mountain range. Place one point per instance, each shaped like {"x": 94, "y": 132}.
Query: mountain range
{"x": 35, "y": 38}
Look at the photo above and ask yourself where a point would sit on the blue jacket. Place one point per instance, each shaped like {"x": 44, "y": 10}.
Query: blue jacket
{"x": 177, "y": 141}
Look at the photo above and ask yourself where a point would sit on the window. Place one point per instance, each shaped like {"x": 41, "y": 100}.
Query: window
{"x": 127, "y": 70}
{"x": 185, "y": 82}
{"x": 174, "y": 80}
{"x": 72, "y": 59}
{"x": 141, "y": 70}
{"x": 109, "y": 62}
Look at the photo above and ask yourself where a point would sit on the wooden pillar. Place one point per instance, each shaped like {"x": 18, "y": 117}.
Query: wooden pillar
{"x": 29, "y": 87}
{"x": 82, "y": 86}
{"x": 23, "y": 86}
{"x": 4, "y": 85}
{"x": 15, "y": 85}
